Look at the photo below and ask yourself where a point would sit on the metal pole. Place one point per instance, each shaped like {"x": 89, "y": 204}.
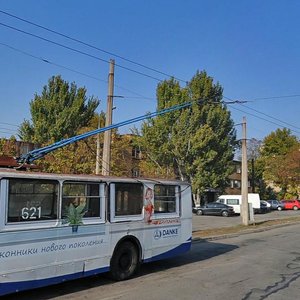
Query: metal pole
{"x": 108, "y": 121}
{"x": 245, "y": 208}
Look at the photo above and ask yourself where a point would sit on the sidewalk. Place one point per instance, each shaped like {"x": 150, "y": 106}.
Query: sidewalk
{"x": 215, "y": 233}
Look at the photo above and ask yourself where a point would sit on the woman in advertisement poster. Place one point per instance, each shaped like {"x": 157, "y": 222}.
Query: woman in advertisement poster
{"x": 148, "y": 205}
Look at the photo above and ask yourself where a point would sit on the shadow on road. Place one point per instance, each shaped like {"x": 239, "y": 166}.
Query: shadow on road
{"x": 200, "y": 251}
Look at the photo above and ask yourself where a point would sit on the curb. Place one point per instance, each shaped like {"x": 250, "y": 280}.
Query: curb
{"x": 198, "y": 239}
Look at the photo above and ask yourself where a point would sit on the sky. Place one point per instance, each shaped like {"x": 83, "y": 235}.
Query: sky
{"x": 250, "y": 47}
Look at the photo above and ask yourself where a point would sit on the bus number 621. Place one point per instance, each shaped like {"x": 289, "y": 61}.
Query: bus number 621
{"x": 30, "y": 213}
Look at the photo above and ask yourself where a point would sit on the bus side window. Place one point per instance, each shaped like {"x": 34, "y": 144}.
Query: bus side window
{"x": 128, "y": 199}
{"x": 165, "y": 198}
{"x": 32, "y": 200}
{"x": 81, "y": 194}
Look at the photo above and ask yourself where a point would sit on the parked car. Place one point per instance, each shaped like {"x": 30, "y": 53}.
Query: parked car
{"x": 214, "y": 208}
{"x": 291, "y": 204}
{"x": 266, "y": 203}
{"x": 264, "y": 208}
{"x": 276, "y": 204}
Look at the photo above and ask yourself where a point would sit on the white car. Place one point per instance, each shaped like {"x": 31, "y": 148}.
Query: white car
{"x": 266, "y": 203}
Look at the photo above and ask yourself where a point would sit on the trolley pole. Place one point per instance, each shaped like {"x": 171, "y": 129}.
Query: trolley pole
{"x": 108, "y": 120}
{"x": 245, "y": 207}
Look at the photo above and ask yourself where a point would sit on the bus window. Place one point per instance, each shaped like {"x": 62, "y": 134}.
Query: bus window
{"x": 32, "y": 200}
{"x": 128, "y": 199}
{"x": 165, "y": 198}
{"x": 85, "y": 194}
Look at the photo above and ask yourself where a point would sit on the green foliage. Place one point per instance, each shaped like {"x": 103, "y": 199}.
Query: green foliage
{"x": 121, "y": 155}
{"x": 75, "y": 214}
{"x": 8, "y": 147}
{"x": 59, "y": 112}
{"x": 77, "y": 158}
{"x": 278, "y": 143}
{"x": 280, "y": 158}
{"x": 197, "y": 142}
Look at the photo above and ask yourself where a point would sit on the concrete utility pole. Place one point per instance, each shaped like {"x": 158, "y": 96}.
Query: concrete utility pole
{"x": 108, "y": 120}
{"x": 98, "y": 149}
{"x": 245, "y": 208}
{"x": 253, "y": 175}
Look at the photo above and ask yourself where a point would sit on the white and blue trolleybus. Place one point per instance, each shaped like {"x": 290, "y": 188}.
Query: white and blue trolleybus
{"x": 61, "y": 227}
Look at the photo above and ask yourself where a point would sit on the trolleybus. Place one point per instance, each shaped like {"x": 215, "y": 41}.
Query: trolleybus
{"x": 61, "y": 227}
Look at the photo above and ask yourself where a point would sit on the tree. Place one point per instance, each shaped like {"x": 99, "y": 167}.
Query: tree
{"x": 76, "y": 158}
{"x": 280, "y": 158}
{"x": 8, "y": 147}
{"x": 284, "y": 171}
{"x": 59, "y": 112}
{"x": 197, "y": 143}
{"x": 278, "y": 143}
{"x": 255, "y": 173}
{"x": 80, "y": 157}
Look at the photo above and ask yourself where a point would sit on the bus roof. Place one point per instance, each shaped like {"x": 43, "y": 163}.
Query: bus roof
{"x": 13, "y": 173}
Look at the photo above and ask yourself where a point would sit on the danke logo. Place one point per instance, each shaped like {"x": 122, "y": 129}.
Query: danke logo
{"x": 157, "y": 234}
{"x": 165, "y": 233}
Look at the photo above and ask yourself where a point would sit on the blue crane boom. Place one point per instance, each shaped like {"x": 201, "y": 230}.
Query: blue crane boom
{"x": 33, "y": 155}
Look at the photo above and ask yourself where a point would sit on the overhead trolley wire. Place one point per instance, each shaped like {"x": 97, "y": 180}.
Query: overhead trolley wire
{"x": 51, "y": 62}
{"x": 90, "y": 45}
{"x": 256, "y": 116}
{"x": 269, "y": 116}
{"x": 9, "y": 124}
{"x": 81, "y": 73}
{"x": 77, "y": 51}
{"x": 276, "y": 97}
{"x": 81, "y": 52}
{"x": 47, "y": 61}
{"x": 118, "y": 56}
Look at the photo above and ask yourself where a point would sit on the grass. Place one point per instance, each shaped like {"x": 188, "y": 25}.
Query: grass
{"x": 240, "y": 229}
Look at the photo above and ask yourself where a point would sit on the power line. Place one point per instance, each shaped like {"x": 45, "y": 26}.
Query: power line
{"x": 47, "y": 61}
{"x": 91, "y": 46}
{"x": 141, "y": 96}
{"x": 276, "y": 97}
{"x": 118, "y": 56}
{"x": 264, "y": 115}
{"x": 78, "y": 51}
{"x": 52, "y": 63}
{"x": 9, "y": 124}
{"x": 6, "y": 132}
{"x": 8, "y": 129}
{"x": 263, "y": 119}
{"x": 121, "y": 57}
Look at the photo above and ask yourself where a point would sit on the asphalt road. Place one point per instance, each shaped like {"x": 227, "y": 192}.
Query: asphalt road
{"x": 209, "y": 222}
{"x": 264, "y": 265}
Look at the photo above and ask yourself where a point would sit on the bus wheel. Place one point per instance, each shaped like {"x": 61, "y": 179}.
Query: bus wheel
{"x": 125, "y": 261}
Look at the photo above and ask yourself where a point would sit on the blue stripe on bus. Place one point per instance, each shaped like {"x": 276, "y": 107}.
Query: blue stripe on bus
{"x": 174, "y": 252}
{"x": 11, "y": 287}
